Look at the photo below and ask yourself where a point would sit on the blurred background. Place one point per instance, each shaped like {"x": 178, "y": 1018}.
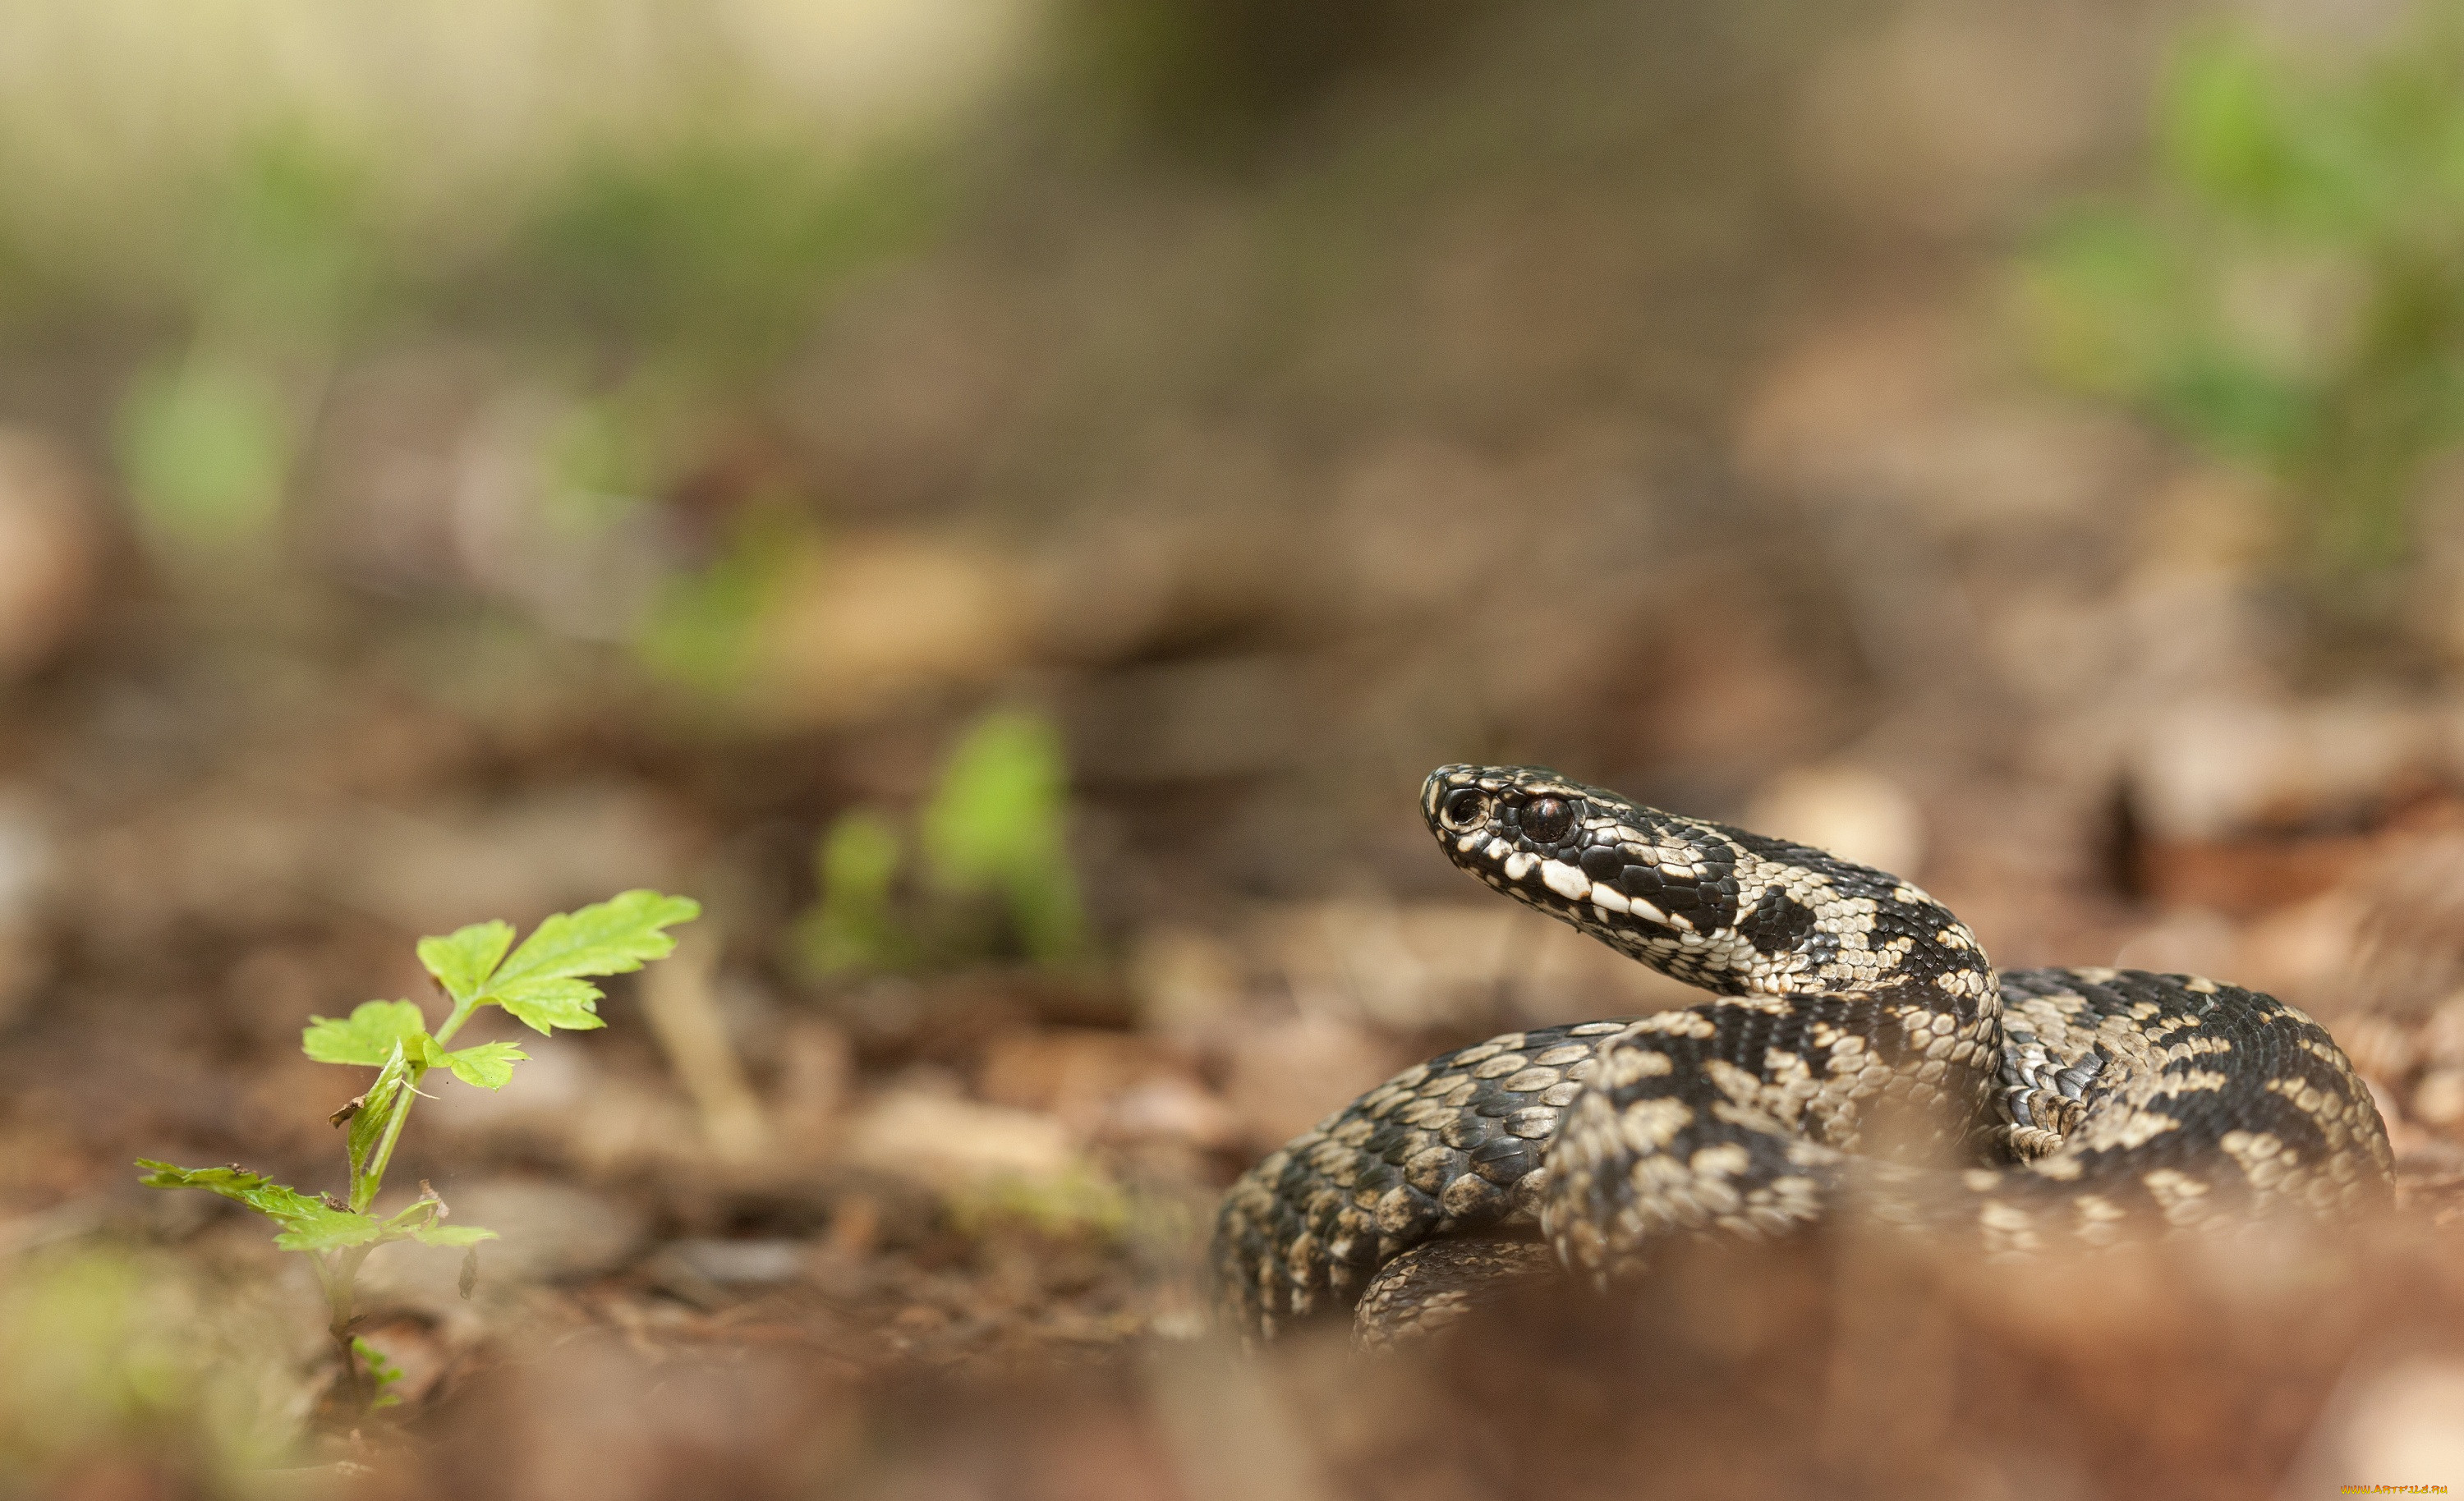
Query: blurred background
{"x": 1003, "y": 500}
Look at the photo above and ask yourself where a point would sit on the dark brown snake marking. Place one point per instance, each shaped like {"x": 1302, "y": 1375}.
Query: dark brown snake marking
{"x": 1858, "y": 1038}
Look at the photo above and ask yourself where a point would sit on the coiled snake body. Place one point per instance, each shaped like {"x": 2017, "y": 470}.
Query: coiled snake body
{"x": 1858, "y": 1043}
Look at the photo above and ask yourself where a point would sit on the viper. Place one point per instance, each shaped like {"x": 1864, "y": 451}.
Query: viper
{"x": 1856, "y": 1048}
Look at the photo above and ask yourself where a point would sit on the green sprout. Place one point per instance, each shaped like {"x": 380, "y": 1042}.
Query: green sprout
{"x": 996, "y": 825}
{"x": 992, "y": 839}
{"x": 381, "y": 1372}
{"x": 546, "y": 984}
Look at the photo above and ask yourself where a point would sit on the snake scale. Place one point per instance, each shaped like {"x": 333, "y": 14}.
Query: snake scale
{"x": 1857, "y": 1045}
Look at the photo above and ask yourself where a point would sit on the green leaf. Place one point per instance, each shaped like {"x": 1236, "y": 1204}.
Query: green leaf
{"x": 543, "y": 983}
{"x": 336, "y": 1227}
{"x": 489, "y": 1065}
{"x": 367, "y": 1037}
{"x": 616, "y": 936}
{"x": 258, "y": 1191}
{"x": 451, "y": 1234}
{"x": 308, "y": 1224}
{"x": 463, "y": 962}
{"x": 544, "y": 1004}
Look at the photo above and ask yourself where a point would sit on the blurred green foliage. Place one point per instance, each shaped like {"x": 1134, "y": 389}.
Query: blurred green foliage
{"x": 2287, "y": 292}
{"x": 80, "y": 1354}
{"x": 205, "y": 446}
{"x": 381, "y": 1372}
{"x": 293, "y": 249}
{"x": 702, "y": 628}
{"x": 998, "y": 825}
{"x": 1078, "y": 1202}
{"x": 604, "y": 449}
{"x": 102, "y": 1375}
{"x": 609, "y": 194}
{"x": 716, "y": 250}
{"x": 855, "y": 923}
{"x": 690, "y": 266}
{"x": 993, "y": 844}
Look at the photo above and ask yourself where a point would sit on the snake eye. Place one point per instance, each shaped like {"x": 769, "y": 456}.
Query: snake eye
{"x": 1466, "y": 808}
{"x": 1548, "y": 821}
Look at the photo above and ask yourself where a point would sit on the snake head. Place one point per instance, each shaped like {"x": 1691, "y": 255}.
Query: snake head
{"x": 1719, "y": 908}
{"x": 1581, "y": 853}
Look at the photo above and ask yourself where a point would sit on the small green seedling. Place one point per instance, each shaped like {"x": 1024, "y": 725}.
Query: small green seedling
{"x": 382, "y": 1371}
{"x": 993, "y": 840}
{"x": 546, "y": 983}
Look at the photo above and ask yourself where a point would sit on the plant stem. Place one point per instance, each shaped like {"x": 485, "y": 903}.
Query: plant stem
{"x": 339, "y": 1271}
{"x": 453, "y": 1023}
{"x": 364, "y": 1191}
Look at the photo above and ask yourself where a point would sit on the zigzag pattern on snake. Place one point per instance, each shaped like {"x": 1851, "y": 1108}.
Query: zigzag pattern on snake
{"x": 1858, "y": 1041}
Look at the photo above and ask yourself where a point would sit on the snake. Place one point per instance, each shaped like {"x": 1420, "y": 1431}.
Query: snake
{"x": 1857, "y": 1052}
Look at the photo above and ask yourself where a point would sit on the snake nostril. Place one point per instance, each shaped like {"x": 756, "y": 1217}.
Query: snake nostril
{"x": 1548, "y": 821}
{"x": 1464, "y": 809}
